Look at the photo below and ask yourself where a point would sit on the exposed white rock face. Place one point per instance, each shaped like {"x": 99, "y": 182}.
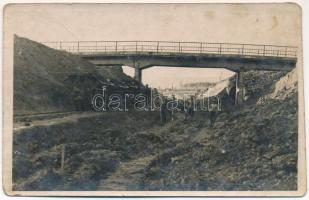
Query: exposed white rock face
{"x": 283, "y": 88}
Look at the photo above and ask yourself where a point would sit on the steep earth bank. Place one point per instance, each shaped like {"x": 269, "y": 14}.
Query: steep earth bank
{"x": 252, "y": 147}
{"x": 48, "y": 80}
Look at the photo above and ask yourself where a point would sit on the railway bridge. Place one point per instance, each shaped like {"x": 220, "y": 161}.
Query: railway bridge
{"x": 145, "y": 54}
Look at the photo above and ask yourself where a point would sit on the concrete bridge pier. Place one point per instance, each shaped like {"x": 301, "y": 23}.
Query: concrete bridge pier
{"x": 240, "y": 88}
{"x": 137, "y": 72}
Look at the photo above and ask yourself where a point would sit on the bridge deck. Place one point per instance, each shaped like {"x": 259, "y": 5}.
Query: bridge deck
{"x": 183, "y": 54}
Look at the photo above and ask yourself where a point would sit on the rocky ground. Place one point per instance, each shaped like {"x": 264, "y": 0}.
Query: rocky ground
{"x": 251, "y": 149}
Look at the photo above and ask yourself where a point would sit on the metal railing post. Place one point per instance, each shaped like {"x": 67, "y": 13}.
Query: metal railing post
{"x": 158, "y": 47}
{"x": 201, "y": 47}
{"x": 136, "y": 46}
{"x": 220, "y": 48}
{"x": 179, "y": 47}
{"x": 116, "y": 45}
{"x": 60, "y": 45}
{"x": 78, "y": 47}
{"x": 264, "y": 50}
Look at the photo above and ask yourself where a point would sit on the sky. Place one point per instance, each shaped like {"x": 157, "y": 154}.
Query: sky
{"x": 277, "y": 24}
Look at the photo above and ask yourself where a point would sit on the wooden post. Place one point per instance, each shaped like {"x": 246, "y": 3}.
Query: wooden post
{"x": 62, "y": 157}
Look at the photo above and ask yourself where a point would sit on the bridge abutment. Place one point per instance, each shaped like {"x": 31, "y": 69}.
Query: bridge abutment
{"x": 137, "y": 72}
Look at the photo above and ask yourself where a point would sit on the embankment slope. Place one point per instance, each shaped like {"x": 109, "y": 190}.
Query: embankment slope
{"x": 48, "y": 80}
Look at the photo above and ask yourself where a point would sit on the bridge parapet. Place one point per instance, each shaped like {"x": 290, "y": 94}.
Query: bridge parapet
{"x": 97, "y": 47}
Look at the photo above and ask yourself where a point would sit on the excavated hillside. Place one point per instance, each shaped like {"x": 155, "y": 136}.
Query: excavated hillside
{"x": 48, "y": 80}
{"x": 249, "y": 147}
{"x": 252, "y": 147}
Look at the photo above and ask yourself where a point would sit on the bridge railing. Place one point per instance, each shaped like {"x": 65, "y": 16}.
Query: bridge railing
{"x": 94, "y": 47}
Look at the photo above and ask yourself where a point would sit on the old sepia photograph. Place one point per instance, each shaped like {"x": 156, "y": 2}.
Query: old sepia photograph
{"x": 153, "y": 99}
